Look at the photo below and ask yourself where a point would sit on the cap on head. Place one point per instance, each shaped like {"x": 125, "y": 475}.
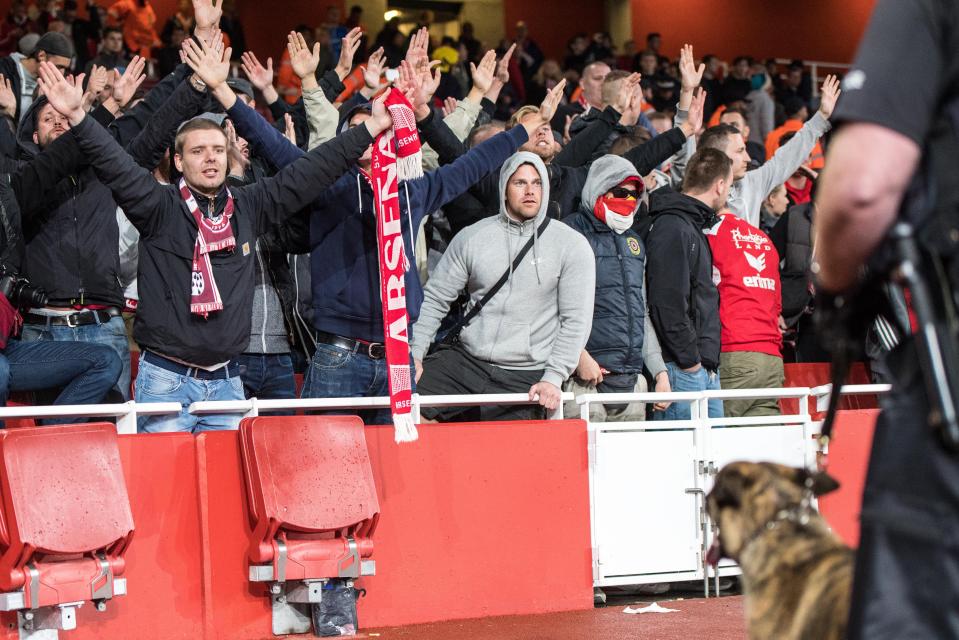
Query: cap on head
{"x": 54, "y": 44}
{"x": 239, "y": 85}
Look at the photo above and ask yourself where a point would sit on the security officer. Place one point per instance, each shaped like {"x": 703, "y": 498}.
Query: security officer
{"x": 896, "y": 130}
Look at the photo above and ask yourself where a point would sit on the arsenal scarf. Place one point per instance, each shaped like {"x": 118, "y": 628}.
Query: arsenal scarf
{"x": 214, "y": 234}
{"x": 396, "y": 156}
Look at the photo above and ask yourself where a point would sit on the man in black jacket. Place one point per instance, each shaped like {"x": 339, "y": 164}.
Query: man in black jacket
{"x": 196, "y": 241}
{"x": 683, "y": 300}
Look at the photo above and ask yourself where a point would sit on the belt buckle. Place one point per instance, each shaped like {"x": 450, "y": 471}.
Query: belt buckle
{"x": 373, "y": 348}
{"x": 72, "y": 320}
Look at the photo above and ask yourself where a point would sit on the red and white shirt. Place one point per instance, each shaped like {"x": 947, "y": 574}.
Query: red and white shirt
{"x": 746, "y": 272}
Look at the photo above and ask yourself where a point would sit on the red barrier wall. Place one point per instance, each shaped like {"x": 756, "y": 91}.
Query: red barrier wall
{"x": 476, "y": 520}
{"x": 848, "y": 460}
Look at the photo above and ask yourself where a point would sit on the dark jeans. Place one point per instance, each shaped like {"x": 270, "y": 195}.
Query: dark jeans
{"x": 453, "y": 371}
{"x": 85, "y": 371}
{"x": 907, "y": 565}
{"x": 336, "y": 372}
{"x": 268, "y": 376}
{"x": 112, "y": 334}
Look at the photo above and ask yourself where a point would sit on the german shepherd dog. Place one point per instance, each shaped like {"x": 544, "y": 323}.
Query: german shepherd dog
{"x": 797, "y": 574}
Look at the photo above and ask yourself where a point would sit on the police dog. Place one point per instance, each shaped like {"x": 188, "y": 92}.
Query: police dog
{"x": 797, "y": 574}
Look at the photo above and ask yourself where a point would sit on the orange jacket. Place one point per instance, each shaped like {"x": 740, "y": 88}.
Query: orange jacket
{"x": 816, "y": 160}
{"x": 139, "y": 25}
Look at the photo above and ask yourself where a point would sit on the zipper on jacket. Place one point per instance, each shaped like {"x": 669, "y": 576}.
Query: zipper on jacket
{"x": 76, "y": 236}
{"x": 300, "y": 322}
{"x": 629, "y": 307}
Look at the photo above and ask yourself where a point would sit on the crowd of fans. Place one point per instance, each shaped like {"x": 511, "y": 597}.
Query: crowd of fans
{"x": 616, "y": 221}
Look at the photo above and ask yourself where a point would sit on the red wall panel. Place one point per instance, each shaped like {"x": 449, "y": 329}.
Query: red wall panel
{"x": 823, "y": 30}
{"x": 552, "y": 24}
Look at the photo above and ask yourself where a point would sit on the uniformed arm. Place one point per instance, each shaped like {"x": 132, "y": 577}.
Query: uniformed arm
{"x": 869, "y": 169}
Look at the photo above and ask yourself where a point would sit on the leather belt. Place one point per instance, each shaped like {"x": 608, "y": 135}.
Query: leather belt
{"x": 229, "y": 371}
{"x": 373, "y": 350}
{"x": 80, "y": 318}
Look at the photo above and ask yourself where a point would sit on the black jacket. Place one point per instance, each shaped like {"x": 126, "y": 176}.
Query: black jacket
{"x": 164, "y": 323}
{"x": 69, "y": 217}
{"x": 619, "y": 311}
{"x": 683, "y": 301}
{"x": 11, "y": 238}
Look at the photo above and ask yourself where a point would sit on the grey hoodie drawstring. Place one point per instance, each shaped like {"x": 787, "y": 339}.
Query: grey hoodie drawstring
{"x": 535, "y": 254}
{"x": 359, "y": 193}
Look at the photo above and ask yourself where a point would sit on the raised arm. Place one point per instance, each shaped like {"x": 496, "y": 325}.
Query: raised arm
{"x": 648, "y": 156}
{"x": 133, "y": 187}
{"x": 791, "y": 155}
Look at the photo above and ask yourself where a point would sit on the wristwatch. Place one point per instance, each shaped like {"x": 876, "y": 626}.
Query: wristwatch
{"x": 197, "y": 84}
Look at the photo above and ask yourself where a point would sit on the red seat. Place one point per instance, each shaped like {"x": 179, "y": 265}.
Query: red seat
{"x": 312, "y": 498}
{"x": 66, "y": 519}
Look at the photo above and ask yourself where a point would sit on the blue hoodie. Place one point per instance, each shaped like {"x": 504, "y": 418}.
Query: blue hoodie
{"x": 343, "y": 261}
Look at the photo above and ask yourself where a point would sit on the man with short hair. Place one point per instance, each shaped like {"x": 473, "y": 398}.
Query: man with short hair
{"x": 591, "y": 96}
{"x": 21, "y": 71}
{"x": 750, "y": 188}
{"x": 111, "y": 55}
{"x": 683, "y": 300}
{"x": 196, "y": 242}
{"x": 527, "y": 337}
{"x": 736, "y": 117}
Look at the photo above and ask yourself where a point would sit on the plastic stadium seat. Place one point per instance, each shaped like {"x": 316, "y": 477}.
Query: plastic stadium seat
{"x": 65, "y": 521}
{"x": 311, "y": 491}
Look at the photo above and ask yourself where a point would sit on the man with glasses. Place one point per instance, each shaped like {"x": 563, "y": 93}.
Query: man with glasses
{"x": 622, "y": 340}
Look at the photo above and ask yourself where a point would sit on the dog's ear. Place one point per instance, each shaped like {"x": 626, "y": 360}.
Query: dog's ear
{"x": 823, "y": 483}
{"x": 820, "y": 482}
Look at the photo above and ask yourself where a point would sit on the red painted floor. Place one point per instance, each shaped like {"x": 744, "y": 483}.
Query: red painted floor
{"x": 715, "y": 618}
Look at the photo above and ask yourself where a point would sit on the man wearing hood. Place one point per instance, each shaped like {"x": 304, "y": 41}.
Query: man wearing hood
{"x": 622, "y": 339}
{"x": 683, "y": 300}
{"x": 529, "y": 335}
{"x": 347, "y": 312}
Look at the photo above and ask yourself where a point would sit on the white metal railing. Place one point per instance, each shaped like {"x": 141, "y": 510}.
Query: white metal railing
{"x": 645, "y": 472}
{"x": 814, "y": 68}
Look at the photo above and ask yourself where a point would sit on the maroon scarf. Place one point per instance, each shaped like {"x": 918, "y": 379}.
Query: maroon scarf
{"x": 214, "y": 234}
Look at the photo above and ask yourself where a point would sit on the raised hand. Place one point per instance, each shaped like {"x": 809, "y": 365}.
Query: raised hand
{"x": 126, "y": 85}
{"x": 303, "y": 60}
{"x": 418, "y": 52}
{"x": 691, "y": 75}
{"x": 449, "y": 106}
{"x": 625, "y": 96}
{"x": 236, "y": 158}
{"x": 634, "y": 106}
{"x": 418, "y": 87}
{"x": 550, "y": 103}
{"x": 8, "y": 99}
{"x": 210, "y": 67}
{"x": 351, "y": 43}
{"x": 380, "y": 119}
{"x": 694, "y": 120}
{"x": 95, "y": 85}
{"x": 483, "y": 74}
{"x": 260, "y": 77}
{"x": 289, "y": 131}
{"x": 373, "y": 69}
{"x": 207, "y": 13}
{"x": 502, "y": 67}
{"x": 64, "y": 95}
{"x": 829, "y": 95}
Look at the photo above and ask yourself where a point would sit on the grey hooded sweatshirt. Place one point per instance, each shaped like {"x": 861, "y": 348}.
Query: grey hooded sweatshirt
{"x": 541, "y": 318}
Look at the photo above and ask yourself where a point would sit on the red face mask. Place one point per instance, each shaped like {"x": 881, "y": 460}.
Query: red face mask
{"x": 621, "y": 206}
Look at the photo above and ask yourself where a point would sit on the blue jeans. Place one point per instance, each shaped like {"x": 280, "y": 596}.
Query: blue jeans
{"x": 268, "y": 376}
{"x": 112, "y": 334}
{"x": 86, "y": 372}
{"x": 336, "y": 372}
{"x": 156, "y": 384}
{"x": 680, "y": 380}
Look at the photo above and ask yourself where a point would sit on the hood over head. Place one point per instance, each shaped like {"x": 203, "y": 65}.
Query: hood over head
{"x": 604, "y": 174}
{"x": 509, "y": 168}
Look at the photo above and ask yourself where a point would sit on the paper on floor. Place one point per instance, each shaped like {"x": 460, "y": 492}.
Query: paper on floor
{"x": 653, "y": 608}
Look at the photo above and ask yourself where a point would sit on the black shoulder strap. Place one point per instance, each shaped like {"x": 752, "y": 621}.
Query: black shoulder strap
{"x": 502, "y": 281}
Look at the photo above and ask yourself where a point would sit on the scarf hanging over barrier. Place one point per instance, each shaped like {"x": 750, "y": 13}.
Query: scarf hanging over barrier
{"x": 213, "y": 234}
{"x": 396, "y": 156}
